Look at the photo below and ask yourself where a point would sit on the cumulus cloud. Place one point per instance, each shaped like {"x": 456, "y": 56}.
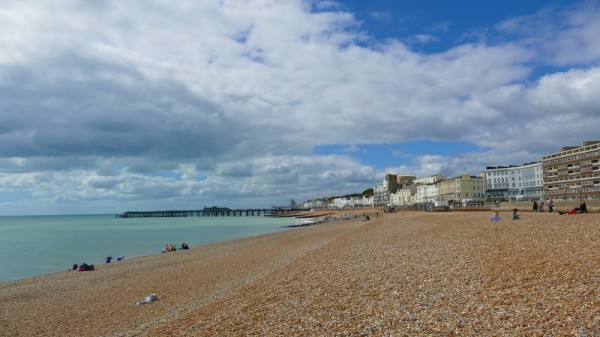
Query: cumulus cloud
{"x": 380, "y": 16}
{"x": 422, "y": 38}
{"x": 563, "y": 38}
{"x": 177, "y": 105}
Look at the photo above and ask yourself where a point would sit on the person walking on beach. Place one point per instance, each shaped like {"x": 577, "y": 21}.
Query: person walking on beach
{"x": 550, "y": 205}
{"x": 535, "y": 206}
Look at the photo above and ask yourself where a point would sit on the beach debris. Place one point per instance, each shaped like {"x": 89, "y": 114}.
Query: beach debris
{"x": 149, "y": 299}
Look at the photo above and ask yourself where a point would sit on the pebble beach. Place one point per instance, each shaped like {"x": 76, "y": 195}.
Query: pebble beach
{"x": 402, "y": 274}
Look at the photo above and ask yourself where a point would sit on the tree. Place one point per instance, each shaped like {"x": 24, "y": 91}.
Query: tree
{"x": 368, "y": 192}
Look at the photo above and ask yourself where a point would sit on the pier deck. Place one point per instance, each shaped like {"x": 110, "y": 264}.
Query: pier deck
{"x": 202, "y": 212}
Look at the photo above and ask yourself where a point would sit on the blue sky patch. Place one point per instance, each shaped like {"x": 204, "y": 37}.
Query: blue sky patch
{"x": 448, "y": 23}
{"x": 390, "y": 155}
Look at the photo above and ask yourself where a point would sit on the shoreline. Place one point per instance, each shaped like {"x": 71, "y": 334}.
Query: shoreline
{"x": 415, "y": 273}
{"x": 62, "y": 241}
{"x": 101, "y": 261}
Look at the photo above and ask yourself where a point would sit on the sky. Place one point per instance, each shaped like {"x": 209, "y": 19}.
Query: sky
{"x": 112, "y": 106}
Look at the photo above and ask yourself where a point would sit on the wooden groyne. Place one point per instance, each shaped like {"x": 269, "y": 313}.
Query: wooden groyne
{"x": 203, "y": 212}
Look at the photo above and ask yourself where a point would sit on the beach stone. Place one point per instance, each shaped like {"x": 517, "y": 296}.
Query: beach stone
{"x": 406, "y": 273}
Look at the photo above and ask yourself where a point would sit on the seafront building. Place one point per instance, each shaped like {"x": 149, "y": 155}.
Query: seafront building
{"x": 367, "y": 201}
{"x": 380, "y": 195}
{"x": 427, "y": 189}
{"x": 462, "y": 188}
{"x": 403, "y": 196}
{"x": 514, "y": 182}
{"x": 340, "y": 203}
{"x": 573, "y": 173}
{"x": 314, "y": 204}
{"x": 390, "y": 185}
{"x": 347, "y": 202}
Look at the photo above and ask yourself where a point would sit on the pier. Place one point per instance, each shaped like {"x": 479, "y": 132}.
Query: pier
{"x": 207, "y": 211}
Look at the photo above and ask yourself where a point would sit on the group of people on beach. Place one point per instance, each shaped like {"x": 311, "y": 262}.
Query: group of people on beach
{"x": 496, "y": 217}
{"x": 110, "y": 258}
{"x": 173, "y": 248}
{"x": 581, "y": 209}
{"x": 540, "y": 208}
{"x": 83, "y": 267}
{"x": 550, "y": 204}
{"x": 87, "y": 267}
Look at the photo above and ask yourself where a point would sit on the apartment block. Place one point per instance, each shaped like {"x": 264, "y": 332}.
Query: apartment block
{"x": 573, "y": 173}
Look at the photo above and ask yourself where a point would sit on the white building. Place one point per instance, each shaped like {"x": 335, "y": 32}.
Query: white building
{"x": 514, "y": 182}
{"x": 380, "y": 195}
{"x": 426, "y": 189}
{"x": 402, "y": 197}
{"x": 314, "y": 204}
{"x": 367, "y": 201}
{"x": 346, "y": 202}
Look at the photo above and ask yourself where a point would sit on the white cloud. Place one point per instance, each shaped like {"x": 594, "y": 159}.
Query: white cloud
{"x": 164, "y": 103}
{"x": 561, "y": 38}
{"x": 422, "y": 38}
{"x": 380, "y": 16}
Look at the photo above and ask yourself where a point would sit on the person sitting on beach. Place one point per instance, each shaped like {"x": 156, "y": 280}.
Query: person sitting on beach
{"x": 515, "y": 216}
{"x": 573, "y": 211}
{"x": 496, "y": 217}
{"x": 120, "y": 258}
{"x": 108, "y": 259}
{"x": 85, "y": 267}
{"x": 185, "y": 246}
{"x": 166, "y": 249}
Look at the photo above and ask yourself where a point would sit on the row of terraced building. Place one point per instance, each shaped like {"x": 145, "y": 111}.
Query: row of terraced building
{"x": 572, "y": 173}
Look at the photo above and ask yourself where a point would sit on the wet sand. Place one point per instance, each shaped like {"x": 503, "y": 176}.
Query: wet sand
{"x": 408, "y": 273}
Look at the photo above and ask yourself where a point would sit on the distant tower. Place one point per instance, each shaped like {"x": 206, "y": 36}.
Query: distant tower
{"x": 293, "y": 204}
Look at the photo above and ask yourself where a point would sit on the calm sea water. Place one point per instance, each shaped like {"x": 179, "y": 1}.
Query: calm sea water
{"x": 35, "y": 245}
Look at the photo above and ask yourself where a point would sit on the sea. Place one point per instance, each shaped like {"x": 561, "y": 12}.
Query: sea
{"x": 36, "y": 245}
